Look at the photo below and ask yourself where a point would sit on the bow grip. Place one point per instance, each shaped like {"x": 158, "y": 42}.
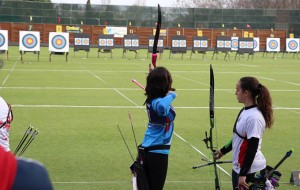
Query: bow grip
{"x": 154, "y": 57}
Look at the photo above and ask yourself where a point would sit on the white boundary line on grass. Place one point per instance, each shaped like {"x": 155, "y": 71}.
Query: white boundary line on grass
{"x": 10, "y": 71}
{"x": 132, "y": 107}
{"x": 145, "y": 111}
{"x": 137, "y": 89}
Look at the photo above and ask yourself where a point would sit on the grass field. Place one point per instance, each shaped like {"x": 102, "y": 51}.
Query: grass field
{"x": 77, "y": 104}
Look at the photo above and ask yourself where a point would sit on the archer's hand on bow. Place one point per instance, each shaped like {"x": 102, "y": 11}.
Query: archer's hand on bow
{"x": 218, "y": 154}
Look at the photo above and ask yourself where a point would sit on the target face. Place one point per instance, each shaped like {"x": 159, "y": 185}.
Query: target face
{"x": 110, "y": 42}
{"x": 59, "y": 41}
{"x": 175, "y": 43}
{"x": 160, "y": 43}
{"x": 127, "y": 42}
{"x": 135, "y": 43}
{"x": 85, "y": 41}
{"x": 204, "y": 43}
{"x": 256, "y": 44}
{"x": 292, "y": 44}
{"x": 227, "y": 44}
{"x": 77, "y": 41}
{"x": 197, "y": 43}
{"x": 220, "y": 44}
{"x": 3, "y": 40}
{"x": 151, "y": 42}
{"x": 182, "y": 43}
{"x": 102, "y": 42}
{"x": 243, "y": 44}
{"x": 273, "y": 44}
{"x": 29, "y": 41}
{"x": 250, "y": 45}
{"x": 234, "y": 43}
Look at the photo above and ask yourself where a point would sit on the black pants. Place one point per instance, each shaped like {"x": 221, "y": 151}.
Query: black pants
{"x": 156, "y": 166}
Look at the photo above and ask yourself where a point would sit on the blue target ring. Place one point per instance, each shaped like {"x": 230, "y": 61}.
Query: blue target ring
{"x": 293, "y": 45}
{"x": 29, "y": 41}
{"x": 59, "y": 42}
{"x": 254, "y": 44}
{"x": 2, "y": 40}
{"x": 273, "y": 44}
{"x": 235, "y": 43}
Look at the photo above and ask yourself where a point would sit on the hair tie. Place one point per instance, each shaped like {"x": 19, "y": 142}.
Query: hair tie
{"x": 259, "y": 88}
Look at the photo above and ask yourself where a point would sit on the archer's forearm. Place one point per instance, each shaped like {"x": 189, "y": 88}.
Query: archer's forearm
{"x": 227, "y": 148}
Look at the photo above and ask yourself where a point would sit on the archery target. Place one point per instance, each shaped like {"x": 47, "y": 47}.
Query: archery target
{"x": 85, "y": 41}
{"x": 110, "y": 42}
{"x": 234, "y": 43}
{"x": 220, "y": 44}
{"x": 175, "y": 43}
{"x": 243, "y": 44}
{"x": 135, "y": 43}
{"x": 256, "y": 44}
{"x": 59, "y": 41}
{"x": 127, "y": 42}
{"x": 292, "y": 45}
{"x": 227, "y": 44}
{"x": 182, "y": 43}
{"x": 197, "y": 43}
{"x": 160, "y": 43}
{"x": 78, "y": 41}
{"x": 151, "y": 42}
{"x": 102, "y": 42}
{"x": 250, "y": 45}
{"x": 273, "y": 44}
{"x": 204, "y": 43}
{"x": 3, "y": 40}
{"x": 29, "y": 41}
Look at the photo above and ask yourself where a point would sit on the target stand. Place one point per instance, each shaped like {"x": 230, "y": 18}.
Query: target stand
{"x": 200, "y": 46}
{"x": 245, "y": 45}
{"x": 34, "y": 52}
{"x": 292, "y": 47}
{"x": 5, "y": 52}
{"x": 59, "y": 44}
{"x": 178, "y": 45}
{"x": 223, "y": 46}
{"x": 58, "y": 53}
{"x": 273, "y": 46}
{"x": 82, "y": 42}
{"x": 160, "y": 46}
{"x": 106, "y": 44}
{"x": 131, "y": 44}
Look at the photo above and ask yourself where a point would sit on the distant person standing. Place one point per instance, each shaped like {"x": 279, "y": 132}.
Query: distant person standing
{"x": 6, "y": 117}
{"x": 248, "y": 130}
{"x": 156, "y": 145}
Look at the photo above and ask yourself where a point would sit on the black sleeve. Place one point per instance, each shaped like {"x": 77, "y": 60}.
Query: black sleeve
{"x": 227, "y": 148}
{"x": 250, "y": 154}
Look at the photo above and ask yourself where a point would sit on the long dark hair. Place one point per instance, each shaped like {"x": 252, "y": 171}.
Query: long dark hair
{"x": 159, "y": 83}
{"x": 261, "y": 96}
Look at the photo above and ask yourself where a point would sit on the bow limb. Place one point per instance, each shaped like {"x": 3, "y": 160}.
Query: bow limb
{"x": 156, "y": 37}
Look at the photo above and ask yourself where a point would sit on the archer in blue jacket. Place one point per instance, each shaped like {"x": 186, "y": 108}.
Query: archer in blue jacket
{"x": 158, "y": 136}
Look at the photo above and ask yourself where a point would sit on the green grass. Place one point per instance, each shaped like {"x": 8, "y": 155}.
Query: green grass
{"x": 76, "y": 105}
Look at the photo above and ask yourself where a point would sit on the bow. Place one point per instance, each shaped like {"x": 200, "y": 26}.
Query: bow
{"x": 156, "y": 37}
{"x": 208, "y": 139}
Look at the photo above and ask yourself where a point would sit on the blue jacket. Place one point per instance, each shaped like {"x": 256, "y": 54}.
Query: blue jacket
{"x": 160, "y": 127}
